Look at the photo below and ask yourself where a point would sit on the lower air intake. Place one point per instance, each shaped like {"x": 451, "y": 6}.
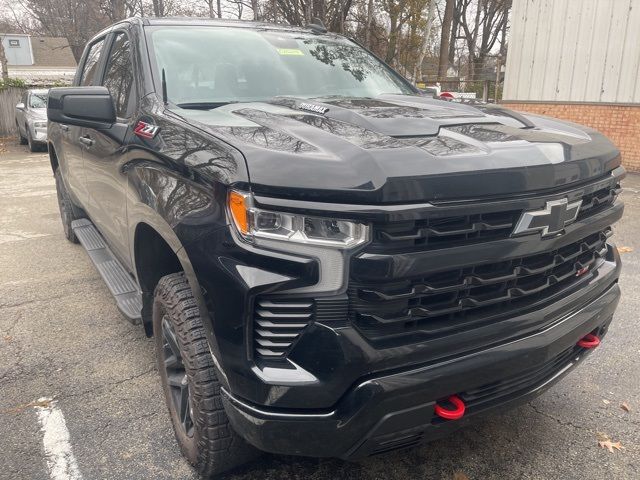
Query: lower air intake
{"x": 278, "y": 323}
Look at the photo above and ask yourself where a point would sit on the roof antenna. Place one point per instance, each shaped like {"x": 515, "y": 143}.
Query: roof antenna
{"x": 317, "y": 26}
{"x": 164, "y": 88}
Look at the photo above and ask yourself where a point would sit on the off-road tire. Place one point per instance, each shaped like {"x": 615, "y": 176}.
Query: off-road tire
{"x": 21, "y": 139}
{"x": 68, "y": 211}
{"x": 214, "y": 447}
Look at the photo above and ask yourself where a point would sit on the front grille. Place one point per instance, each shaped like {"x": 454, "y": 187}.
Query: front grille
{"x": 597, "y": 201}
{"x": 448, "y": 231}
{"x": 449, "y": 301}
{"x": 445, "y": 232}
{"x": 278, "y": 323}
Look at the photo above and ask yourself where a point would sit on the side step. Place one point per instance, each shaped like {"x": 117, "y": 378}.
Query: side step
{"x": 122, "y": 286}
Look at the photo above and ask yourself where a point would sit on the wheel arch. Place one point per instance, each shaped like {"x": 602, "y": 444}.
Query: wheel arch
{"x": 158, "y": 252}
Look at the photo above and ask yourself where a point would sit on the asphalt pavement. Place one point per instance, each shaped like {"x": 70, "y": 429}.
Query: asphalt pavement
{"x": 78, "y": 383}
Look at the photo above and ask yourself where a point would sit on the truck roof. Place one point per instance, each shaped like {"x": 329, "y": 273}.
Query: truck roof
{"x": 219, "y": 22}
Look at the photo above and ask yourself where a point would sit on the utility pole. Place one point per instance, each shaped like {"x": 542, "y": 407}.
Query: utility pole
{"x": 498, "y": 67}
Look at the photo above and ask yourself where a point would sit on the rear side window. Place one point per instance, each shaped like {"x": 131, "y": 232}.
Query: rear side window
{"x": 118, "y": 77}
{"x": 91, "y": 63}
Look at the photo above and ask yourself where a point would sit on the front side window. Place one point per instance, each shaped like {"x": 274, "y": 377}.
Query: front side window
{"x": 118, "y": 77}
{"x": 91, "y": 64}
{"x": 217, "y": 65}
{"x": 38, "y": 100}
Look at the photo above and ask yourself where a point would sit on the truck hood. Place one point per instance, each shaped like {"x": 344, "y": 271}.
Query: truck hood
{"x": 402, "y": 149}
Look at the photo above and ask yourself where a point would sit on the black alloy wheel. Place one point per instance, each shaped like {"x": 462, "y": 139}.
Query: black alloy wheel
{"x": 177, "y": 377}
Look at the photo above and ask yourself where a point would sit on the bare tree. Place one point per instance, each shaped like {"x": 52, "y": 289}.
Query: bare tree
{"x": 482, "y": 26}
{"x": 417, "y": 71}
{"x": 3, "y": 61}
{"x": 77, "y": 20}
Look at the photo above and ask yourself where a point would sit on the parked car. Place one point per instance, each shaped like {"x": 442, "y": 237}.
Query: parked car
{"x": 331, "y": 264}
{"x": 31, "y": 119}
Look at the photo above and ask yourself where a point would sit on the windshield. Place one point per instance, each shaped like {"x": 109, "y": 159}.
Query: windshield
{"x": 38, "y": 100}
{"x": 220, "y": 65}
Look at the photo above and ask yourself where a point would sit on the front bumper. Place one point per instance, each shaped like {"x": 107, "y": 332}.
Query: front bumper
{"x": 39, "y": 134}
{"x": 396, "y": 410}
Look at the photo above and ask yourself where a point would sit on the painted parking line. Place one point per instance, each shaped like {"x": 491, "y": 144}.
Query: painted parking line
{"x": 61, "y": 462}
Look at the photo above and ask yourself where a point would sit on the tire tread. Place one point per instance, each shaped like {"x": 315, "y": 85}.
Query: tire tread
{"x": 219, "y": 448}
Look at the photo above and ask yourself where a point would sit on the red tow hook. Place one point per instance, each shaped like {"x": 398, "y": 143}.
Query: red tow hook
{"x": 589, "y": 341}
{"x": 447, "y": 414}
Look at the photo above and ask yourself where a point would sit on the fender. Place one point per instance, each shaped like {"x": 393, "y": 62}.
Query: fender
{"x": 182, "y": 201}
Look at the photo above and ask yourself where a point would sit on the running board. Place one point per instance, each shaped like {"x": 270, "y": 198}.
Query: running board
{"x": 120, "y": 283}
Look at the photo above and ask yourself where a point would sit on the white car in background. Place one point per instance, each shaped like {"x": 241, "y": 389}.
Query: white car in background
{"x": 31, "y": 119}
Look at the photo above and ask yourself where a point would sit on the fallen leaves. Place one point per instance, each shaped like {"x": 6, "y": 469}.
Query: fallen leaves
{"x": 625, "y": 406}
{"x": 625, "y": 249}
{"x": 605, "y": 442}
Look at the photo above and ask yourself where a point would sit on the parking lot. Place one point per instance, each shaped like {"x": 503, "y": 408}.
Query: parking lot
{"x": 67, "y": 353}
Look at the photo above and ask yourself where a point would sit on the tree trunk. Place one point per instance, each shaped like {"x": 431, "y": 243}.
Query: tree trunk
{"x": 219, "y": 9}
{"x": 367, "y": 32}
{"x": 445, "y": 38}
{"x": 454, "y": 37}
{"x": 254, "y": 7}
{"x": 3, "y": 61}
{"x": 158, "y": 8}
{"x": 393, "y": 37}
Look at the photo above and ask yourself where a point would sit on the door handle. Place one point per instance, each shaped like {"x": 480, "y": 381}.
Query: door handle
{"x": 64, "y": 128}
{"x": 86, "y": 140}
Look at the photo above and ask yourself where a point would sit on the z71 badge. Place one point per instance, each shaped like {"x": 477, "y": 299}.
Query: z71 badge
{"x": 146, "y": 130}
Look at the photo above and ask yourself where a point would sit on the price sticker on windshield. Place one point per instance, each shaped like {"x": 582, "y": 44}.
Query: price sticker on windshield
{"x": 290, "y": 51}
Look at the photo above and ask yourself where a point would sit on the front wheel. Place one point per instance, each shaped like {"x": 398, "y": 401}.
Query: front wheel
{"x": 190, "y": 382}
{"x": 23, "y": 141}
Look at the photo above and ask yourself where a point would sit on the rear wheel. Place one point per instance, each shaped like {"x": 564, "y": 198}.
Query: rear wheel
{"x": 68, "y": 211}
{"x": 190, "y": 382}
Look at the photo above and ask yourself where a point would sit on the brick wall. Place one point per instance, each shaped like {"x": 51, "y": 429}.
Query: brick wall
{"x": 621, "y": 123}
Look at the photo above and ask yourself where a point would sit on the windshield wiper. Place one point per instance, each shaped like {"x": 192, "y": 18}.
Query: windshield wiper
{"x": 204, "y": 105}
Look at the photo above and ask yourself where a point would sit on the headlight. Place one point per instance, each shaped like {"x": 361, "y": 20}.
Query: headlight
{"x": 40, "y": 124}
{"x": 251, "y": 222}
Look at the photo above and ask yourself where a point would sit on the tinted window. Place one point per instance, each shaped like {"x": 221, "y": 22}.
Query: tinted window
{"x": 118, "y": 77}
{"x": 211, "y": 64}
{"x": 91, "y": 63}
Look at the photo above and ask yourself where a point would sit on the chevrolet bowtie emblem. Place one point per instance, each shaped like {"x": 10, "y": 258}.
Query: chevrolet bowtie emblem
{"x": 556, "y": 215}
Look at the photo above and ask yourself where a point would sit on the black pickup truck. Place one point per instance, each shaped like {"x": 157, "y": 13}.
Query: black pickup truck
{"x": 331, "y": 264}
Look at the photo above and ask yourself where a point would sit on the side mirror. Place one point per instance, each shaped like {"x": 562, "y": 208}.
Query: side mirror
{"x": 20, "y": 106}
{"x": 90, "y": 107}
